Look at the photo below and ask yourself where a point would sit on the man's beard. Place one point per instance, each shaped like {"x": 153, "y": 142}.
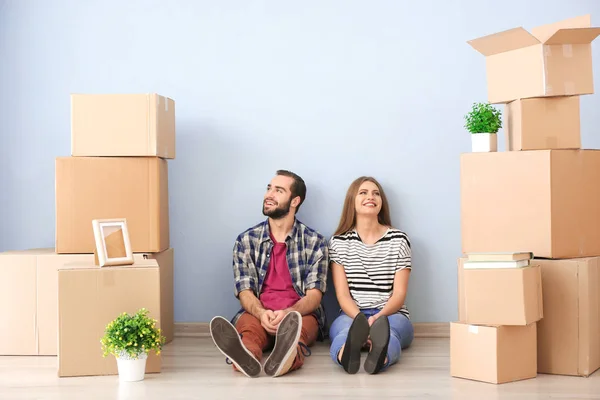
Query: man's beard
{"x": 279, "y": 212}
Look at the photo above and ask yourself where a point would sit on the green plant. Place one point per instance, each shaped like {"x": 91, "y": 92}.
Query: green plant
{"x": 131, "y": 335}
{"x": 483, "y": 118}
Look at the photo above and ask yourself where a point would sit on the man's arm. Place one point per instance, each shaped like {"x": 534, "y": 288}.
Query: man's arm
{"x": 251, "y": 303}
{"x": 309, "y": 303}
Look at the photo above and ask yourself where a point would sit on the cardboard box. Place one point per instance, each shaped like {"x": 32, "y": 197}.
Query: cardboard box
{"x": 122, "y": 125}
{"x": 511, "y": 296}
{"x": 568, "y": 336}
{"x": 18, "y": 297}
{"x": 89, "y": 297}
{"x": 34, "y": 288}
{"x": 545, "y": 201}
{"x": 543, "y": 123}
{"x": 135, "y": 188}
{"x": 552, "y": 60}
{"x": 493, "y": 354}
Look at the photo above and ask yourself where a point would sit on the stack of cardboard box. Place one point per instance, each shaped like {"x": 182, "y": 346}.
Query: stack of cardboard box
{"x": 117, "y": 169}
{"x": 541, "y": 196}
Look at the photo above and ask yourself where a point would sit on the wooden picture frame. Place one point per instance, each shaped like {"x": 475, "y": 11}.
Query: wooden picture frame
{"x": 113, "y": 246}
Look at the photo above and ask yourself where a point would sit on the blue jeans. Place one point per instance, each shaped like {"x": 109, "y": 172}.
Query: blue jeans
{"x": 401, "y": 335}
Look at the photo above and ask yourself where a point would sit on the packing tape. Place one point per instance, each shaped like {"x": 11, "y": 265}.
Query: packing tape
{"x": 166, "y": 104}
{"x": 473, "y": 329}
{"x": 547, "y": 52}
{"x": 567, "y": 50}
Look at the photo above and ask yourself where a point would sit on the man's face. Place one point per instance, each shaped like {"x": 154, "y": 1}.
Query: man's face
{"x": 278, "y": 198}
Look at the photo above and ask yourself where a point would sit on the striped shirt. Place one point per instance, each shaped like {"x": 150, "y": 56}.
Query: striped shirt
{"x": 370, "y": 269}
{"x": 306, "y": 256}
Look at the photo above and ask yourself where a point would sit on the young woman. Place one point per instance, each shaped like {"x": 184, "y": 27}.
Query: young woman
{"x": 370, "y": 264}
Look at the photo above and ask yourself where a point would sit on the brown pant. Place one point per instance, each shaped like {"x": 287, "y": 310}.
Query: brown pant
{"x": 257, "y": 339}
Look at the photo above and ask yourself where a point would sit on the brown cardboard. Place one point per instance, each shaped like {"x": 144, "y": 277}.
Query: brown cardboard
{"x": 493, "y": 354}
{"x": 567, "y": 336}
{"x": 568, "y": 339}
{"x": 543, "y": 123}
{"x": 552, "y": 60}
{"x": 89, "y": 298}
{"x": 18, "y": 297}
{"x": 135, "y": 188}
{"x": 543, "y": 201}
{"x": 511, "y": 296}
{"x": 35, "y": 289}
{"x": 122, "y": 125}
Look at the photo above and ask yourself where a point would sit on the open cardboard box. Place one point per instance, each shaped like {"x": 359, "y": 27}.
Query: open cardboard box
{"x": 552, "y": 60}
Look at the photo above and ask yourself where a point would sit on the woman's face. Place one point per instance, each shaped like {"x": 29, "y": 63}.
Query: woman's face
{"x": 368, "y": 199}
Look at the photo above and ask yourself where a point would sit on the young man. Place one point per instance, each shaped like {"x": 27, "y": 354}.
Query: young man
{"x": 280, "y": 271}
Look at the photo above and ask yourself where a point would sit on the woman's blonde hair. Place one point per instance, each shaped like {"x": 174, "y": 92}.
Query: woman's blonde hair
{"x": 348, "y": 218}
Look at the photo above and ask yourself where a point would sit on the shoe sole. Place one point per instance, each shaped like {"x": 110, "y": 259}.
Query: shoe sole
{"x": 286, "y": 341}
{"x": 380, "y": 339}
{"x": 228, "y": 341}
{"x": 357, "y": 336}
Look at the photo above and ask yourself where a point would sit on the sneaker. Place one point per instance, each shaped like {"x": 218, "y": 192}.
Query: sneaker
{"x": 380, "y": 339}
{"x": 228, "y": 341}
{"x": 357, "y": 337}
{"x": 284, "y": 351}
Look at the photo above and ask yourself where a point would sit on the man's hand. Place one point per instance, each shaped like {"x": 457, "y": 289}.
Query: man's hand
{"x": 266, "y": 320}
{"x": 279, "y": 314}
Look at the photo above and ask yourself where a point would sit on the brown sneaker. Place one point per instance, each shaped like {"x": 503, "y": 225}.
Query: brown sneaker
{"x": 228, "y": 341}
{"x": 285, "y": 349}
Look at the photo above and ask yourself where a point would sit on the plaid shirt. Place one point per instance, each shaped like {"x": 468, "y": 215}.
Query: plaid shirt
{"x": 307, "y": 257}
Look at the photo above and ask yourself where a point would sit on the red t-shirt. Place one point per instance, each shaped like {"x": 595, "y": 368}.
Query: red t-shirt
{"x": 278, "y": 292}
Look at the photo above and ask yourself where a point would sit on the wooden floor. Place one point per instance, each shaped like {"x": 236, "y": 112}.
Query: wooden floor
{"x": 194, "y": 369}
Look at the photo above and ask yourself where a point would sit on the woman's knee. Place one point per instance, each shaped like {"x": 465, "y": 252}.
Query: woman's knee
{"x": 402, "y": 328}
{"x": 341, "y": 323}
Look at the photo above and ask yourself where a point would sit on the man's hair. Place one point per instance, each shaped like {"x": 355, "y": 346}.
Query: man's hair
{"x": 298, "y": 187}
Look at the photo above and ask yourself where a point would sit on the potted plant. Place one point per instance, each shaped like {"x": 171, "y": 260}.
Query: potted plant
{"x": 483, "y": 122}
{"x": 130, "y": 338}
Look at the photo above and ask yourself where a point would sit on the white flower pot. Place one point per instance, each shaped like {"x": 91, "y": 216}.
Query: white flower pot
{"x": 130, "y": 369}
{"x": 484, "y": 142}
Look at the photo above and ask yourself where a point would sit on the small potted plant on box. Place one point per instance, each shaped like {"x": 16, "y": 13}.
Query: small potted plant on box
{"x": 130, "y": 338}
{"x": 483, "y": 122}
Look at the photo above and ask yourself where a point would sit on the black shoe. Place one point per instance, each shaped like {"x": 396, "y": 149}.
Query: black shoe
{"x": 357, "y": 336}
{"x": 285, "y": 349}
{"x": 228, "y": 341}
{"x": 380, "y": 339}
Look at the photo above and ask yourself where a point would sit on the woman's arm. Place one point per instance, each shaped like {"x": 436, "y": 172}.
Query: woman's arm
{"x": 342, "y": 291}
{"x": 396, "y": 300}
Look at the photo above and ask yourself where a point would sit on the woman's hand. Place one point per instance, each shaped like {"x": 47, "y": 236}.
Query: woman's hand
{"x": 373, "y": 318}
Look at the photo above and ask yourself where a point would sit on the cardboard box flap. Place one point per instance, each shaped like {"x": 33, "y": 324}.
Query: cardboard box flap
{"x": 574, "y": 36}
{"x": 501, "y": 42}
{"x": 543, "y": 32}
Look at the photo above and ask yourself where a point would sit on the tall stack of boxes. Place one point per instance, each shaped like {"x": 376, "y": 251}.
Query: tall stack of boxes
{"x": 118, "y": 168}
{"x": 540, "y": 196}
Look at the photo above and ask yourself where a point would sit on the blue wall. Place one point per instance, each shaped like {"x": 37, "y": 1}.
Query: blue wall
{"x": 329, "y": 89}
